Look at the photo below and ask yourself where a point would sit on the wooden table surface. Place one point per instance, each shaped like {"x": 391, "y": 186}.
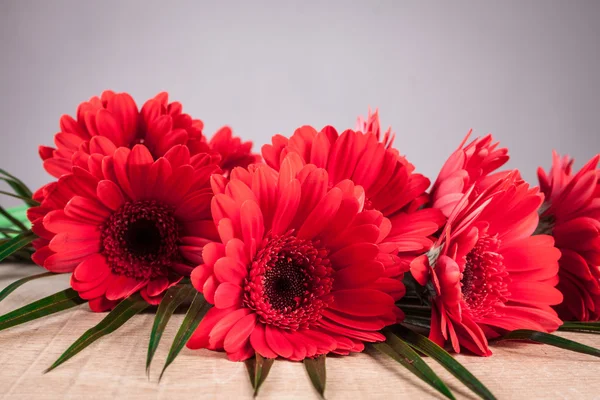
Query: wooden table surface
{"x": 114, "y": 366}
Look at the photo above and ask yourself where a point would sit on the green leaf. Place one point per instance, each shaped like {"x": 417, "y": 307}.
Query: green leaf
{"x": 258, "y": 370}
{"x": 10, "y": 230}
{"x": 315, "y": 367}
{"x": 13, "y": 220}
{"x": 552, "y": 340}
{"x": 16, "y": 243}
{"x": 16, "y": 184}
{"x": 48, "y": 305}
{"x": 116, "y": 318}
{"x": 584, "y": 327}
{"x": 174, "y": 297}
{"x": 194, "y": 315}
{"x": 426, "y": 346}
{"x": 11, "y": 288}
{"x": 400, "y": 351}
{"x": 27, "y": 200}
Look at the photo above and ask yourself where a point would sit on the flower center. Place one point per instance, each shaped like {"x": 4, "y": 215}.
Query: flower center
{"x": 140, "y": 240}
{"x": 485, "y": 279}
{"x": 289, "y": 282}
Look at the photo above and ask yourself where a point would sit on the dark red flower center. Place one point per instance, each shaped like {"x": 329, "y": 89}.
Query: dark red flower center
{"x": 140, "y": 240}
{"x": 485, "y": 279}
{"x": 289, "y": 282}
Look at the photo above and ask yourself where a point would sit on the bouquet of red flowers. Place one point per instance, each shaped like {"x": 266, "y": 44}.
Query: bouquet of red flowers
{"x": 328, "y": 242}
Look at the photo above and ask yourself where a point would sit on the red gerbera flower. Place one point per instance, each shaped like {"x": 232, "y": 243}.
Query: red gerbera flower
{"x": 113, "y": 120}
{"x": 469, "y": 165}
{"x": 300, "y": 271}
{"x": 126, "y": 224}
{"x": 388, "y": 179}
{"x": 487, "y": 274}
{"x": 572, "y": 216}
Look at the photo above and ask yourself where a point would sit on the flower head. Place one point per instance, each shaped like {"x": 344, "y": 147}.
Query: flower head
{"x": 300, "y": 270}
{"x": 390, "y": 184}
{"x": 487, "y": 274}
{"x": 127, "y": 223}
{"x": 469, "y": 165}
{"x": 113, "y": 120}
{"x": 572, "y": 215}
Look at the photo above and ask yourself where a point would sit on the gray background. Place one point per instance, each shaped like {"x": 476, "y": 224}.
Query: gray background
{"x": 527, "y": 71}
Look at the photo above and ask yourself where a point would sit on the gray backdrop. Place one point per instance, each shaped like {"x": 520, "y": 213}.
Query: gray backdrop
{"x": 527, "y": 71}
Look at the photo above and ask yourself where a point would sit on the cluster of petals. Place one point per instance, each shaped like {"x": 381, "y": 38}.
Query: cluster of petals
{"x": 389, "y": 181}
{"x": 469, "y": 165}
{"x": 487, "y": 274}
{"x": 300, "y": 269}
{"x": 572, "y": 215}
{"x": 126, "y": 223}
{"x": 113, "y": 120}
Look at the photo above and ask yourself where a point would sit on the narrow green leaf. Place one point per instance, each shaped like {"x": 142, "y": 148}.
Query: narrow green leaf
{"x": 116, "y": 318}
{"x": 194, "y": 315}
{"x": 12, "y": 219}
{"x": 552, "y": 340}
{"x": 16, "y": 243}
{"x": 426, "y": 346}
{"x": 27, "y": 200}
{"x": 48, "y": 305}
{"x": 400, "y": 351}
{"x": 11, "y": 288}
{"x": 418, "y": 322}
{"x": 584, "y": 327}
{"x": 17, "y": 184}
{"x": 172, "y": 299}
{"x": 315, "y": 367}
{"x": 258, "y": 370}
{"x": 10, "y": 230}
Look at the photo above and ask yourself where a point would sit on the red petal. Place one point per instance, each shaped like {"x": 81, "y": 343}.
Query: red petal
{"x": 354, "y": 253}
{"x": 102, "y": 145}
{"x": 138, "y": 170}
{"x": 217, "y": 335}
{"x": 123, "y": 287}
{"x": 199, "y": 338}
{"x": 92, "y": 268}
{"x": 157, "y": 286}
{"x": 110, "y": 195}
{"x": 362, "y": 302}
{"x": 321, "y": 216}
{"x": 123, "y": 108}
{"x": 108, "y": 126}
{"x": 86, "y": 210}
{"x": 252, "y": 224}
{"x": 228, "y": 269}
{"x": 278, "y": 342}
{"x": 286, "y": 207}
{"x": 209, "y": 288}
{"x": 178, "y": 155}
{"x": 239, "y": 333}
{"x": 259, "y": 342}
{"x": 228, "y": 295}
{"x": 358, "y": 275}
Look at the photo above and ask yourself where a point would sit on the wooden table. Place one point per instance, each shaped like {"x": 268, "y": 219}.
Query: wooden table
{"x": 114, "y": 366}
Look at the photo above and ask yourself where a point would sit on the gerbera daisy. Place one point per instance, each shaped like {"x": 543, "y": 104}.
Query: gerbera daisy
{"x": 572, "y": 216}
{"x": 159, "y": 125}
{"x": 299, "y": 271}
{"x": 391, "y": 186}
{"x": 487, "y": 274}
{"x": 469, "y": 165}
{"x": 126, "y": 224}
